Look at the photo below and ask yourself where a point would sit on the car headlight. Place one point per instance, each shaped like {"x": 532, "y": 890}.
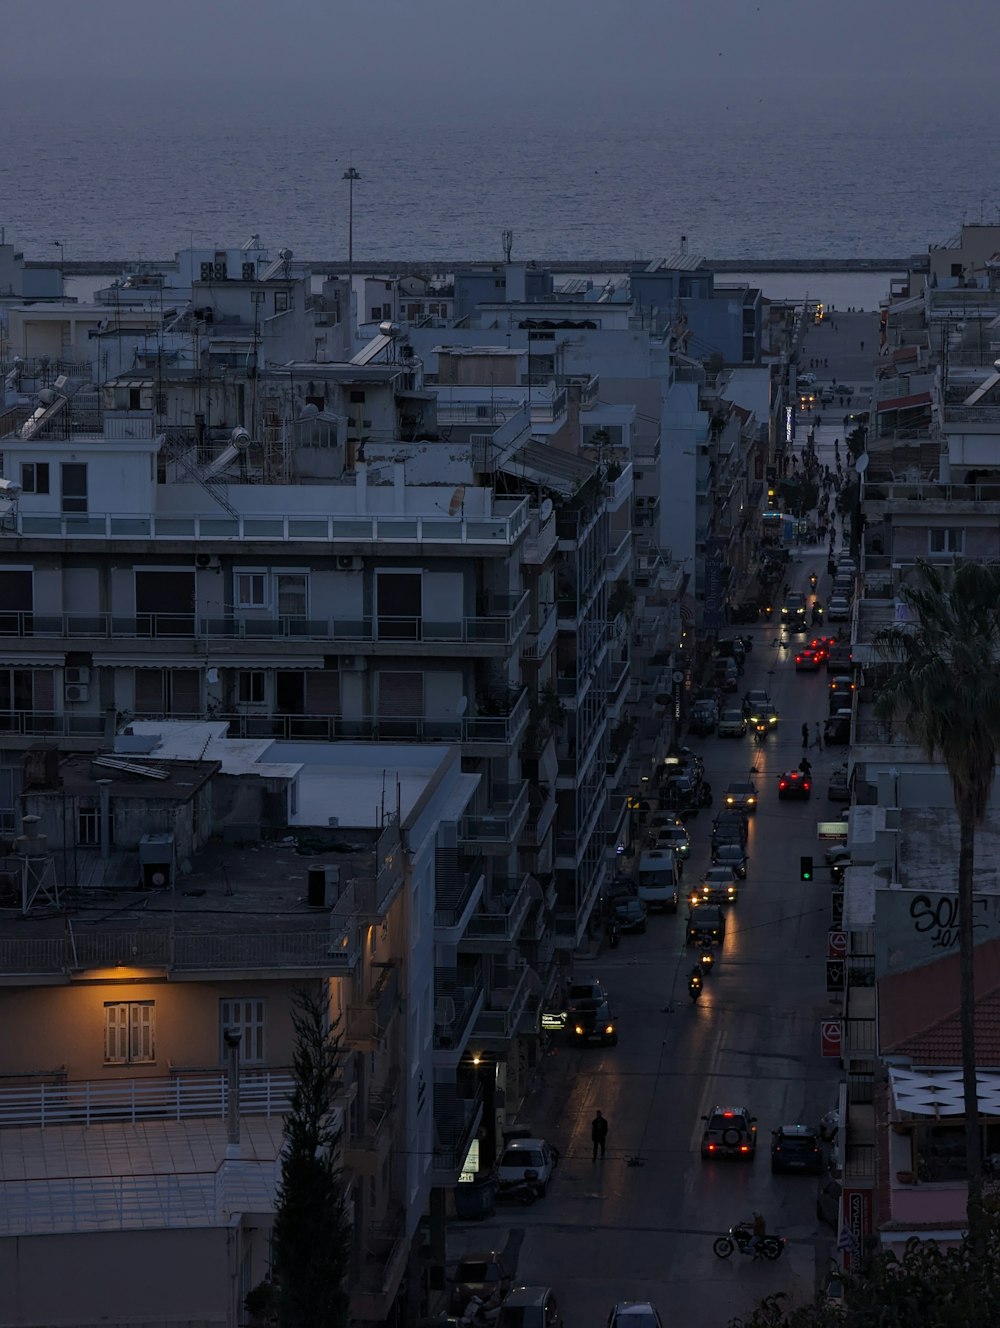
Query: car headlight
{"x": 610, "y": 1028}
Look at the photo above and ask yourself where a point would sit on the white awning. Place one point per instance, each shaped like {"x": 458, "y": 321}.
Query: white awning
{"x": 939, "y": 1092}
{"x": 31, "y": 661}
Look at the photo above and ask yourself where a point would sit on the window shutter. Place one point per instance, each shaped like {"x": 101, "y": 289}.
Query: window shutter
{"x": 116, "y": 1034}
{"x": 141, "y": 1032}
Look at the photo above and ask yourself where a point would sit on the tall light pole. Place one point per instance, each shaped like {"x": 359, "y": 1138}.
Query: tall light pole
{"x": 350, "y": 175}
{"x": 57, "y": 244}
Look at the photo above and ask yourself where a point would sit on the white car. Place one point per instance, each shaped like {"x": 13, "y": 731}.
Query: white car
{"x": 634, "y": 1314}
{"x": 522, "y": 1156}
{"x": 807, "y": 379}
{"x": 838, "y": 609}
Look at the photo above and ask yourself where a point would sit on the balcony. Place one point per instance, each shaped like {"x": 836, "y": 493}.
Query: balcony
{"x": 458, "y": 998}
{"x": 618, "y": 561}
{"x": 498, "y": 830}
{"x": 541, "y": 814}
{"x": 500, "y": 1018}
{"x": 498, "y": 927}
{"x": 368, "y": 1023}
{"x": 457, "y": 893}
{"x": 367, "y": 1150}
{"x": 539, "y": 639}
{"x": 501, "y": 530}
{"x": 498, "y": 630}
{"x": 381, "y": 1272}
{"x": 540, "y": 540}
{"x": 183, "y": 1096}
{"x": 456, "y": 1122}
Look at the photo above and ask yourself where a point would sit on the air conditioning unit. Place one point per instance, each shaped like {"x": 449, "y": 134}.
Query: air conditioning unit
{"x": 347, "y": 562}
{"x": 205, "y": 560}
{"x": 352, "y": 663}
{"x": 75, "y": 675}
{"x": 76, "y": 693}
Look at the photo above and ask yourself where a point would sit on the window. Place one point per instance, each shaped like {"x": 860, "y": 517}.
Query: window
{"x": 399, "y": 605}
{"x": 128, "y": 1032}
{"x": 946, "y": 539}
{"x": 356, "y": 396}
{"x": 35, "y": 476}
{"x": 88, "y": 826}
{"x": 376, "y": 313}
{"x": 251, "y": 686}
{"x": 168, "y": 693}
{"x": 74, "y": 486}
{"x": 387, "y": 311}
{"x": 291, "y": 594}
{"x": 482, "y": 412}
{"x": 251, "y": 590}
{"x": 281, "y": 301}
{"x": 246, "y": 1017}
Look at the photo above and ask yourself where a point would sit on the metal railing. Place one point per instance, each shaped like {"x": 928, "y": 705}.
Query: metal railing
{"x": 503, "y": 625}
{"x": 501, "y": 923}
{"x": 539, "y": 639}
{"x": 458, "y": 995}
{"x": 504, "y": 528}
{"x": 506, "y": 1005}
{"x": 180, "y": 1097}
{"x": 504, "y": 821}
{"x": 324, "y": 951}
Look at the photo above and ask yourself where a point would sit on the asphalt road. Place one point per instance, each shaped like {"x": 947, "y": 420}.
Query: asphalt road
{"x": 640, "y": 1224}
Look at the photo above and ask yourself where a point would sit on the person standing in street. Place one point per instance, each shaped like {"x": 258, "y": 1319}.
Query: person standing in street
{"x": 818, "y": 740}
{"x": 805, "y": 736}
{"x": 598, "y": 1134}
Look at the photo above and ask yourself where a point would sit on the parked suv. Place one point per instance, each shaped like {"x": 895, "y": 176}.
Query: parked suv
{"x": 729, "y": 1132}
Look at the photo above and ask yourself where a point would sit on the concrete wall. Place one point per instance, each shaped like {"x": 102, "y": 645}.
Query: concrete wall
{"x": 120, "y": 479}
{"x": 913, "y": 540}
{"x": 915, "y": 927}
{"x": 118, "y": 1277}
{"x": 50, "y": 1028}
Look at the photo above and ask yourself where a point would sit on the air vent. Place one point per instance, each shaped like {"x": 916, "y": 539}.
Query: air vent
{"x": 77, "y": 693}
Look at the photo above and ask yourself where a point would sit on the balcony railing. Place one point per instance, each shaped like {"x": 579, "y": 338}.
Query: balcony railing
{"x": 502, "y": 1015}
{"x": 502, "y": 626}
{"x": 180, "y": 1097}
{"x": 503, "y": 921}
{"x": 458, "y": 997}
{"x": 503, "y": 823}
{"x": 456, "y": 1120}
{"x": 455, "y": 891}
{"x": 332, "y": 951}
{"x": 504, "y": 528}
{"x": 538, "y": 641}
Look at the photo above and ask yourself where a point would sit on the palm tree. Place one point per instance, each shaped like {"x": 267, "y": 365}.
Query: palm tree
{"x": 945, "y": 686}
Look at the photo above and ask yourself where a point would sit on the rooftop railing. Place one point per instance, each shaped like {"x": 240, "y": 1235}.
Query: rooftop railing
{"x": 502, "y": 529}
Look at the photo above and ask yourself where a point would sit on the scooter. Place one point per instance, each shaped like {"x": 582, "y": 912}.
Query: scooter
{"x": 614, "y": 933}
{"x": 525, "y": 1191}
{"x": 695, "y": 984}
{"x": 707, "y": 958}
{"x": 740, "y": 1237}
{"x": 760, "y": 734}
{"x": 813, "y": 580}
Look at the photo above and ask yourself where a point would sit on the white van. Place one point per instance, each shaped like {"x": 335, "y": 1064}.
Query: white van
{"x": 658, "y": 879}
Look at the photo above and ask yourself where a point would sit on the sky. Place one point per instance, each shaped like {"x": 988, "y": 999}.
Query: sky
{"x": 570, "y": 55}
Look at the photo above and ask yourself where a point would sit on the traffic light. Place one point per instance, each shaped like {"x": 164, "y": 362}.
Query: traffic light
{"x": 805, "y": 868}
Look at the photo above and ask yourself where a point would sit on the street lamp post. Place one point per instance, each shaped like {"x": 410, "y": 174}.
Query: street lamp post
{"x": 57, "y": 244}
{"x": 350, "y": 175}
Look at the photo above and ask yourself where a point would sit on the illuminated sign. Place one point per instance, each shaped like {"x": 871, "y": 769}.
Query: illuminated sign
{"x": 789, "y": 424}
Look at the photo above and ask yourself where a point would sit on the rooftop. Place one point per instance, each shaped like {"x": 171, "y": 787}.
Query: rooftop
{"x": 124, "y": 1177}
{"x": 918, "y": 1011}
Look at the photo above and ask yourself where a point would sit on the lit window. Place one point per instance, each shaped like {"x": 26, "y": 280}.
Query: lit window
{"x": 128, "y": 1032}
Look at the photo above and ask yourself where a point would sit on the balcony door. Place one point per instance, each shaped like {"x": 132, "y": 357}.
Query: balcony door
{"x": 16, "y": 601}
{"x": 164, "y": 603}
{"x": 398, "y": 605}
{"x": 400, "y": 704}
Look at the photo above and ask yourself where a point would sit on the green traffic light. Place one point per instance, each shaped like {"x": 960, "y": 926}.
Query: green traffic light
{"x": 805, "y": 869}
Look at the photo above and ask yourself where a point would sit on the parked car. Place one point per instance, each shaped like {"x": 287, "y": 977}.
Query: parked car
{"x": 837, "y": 729}
{"x": 675, "y": 836}
{"x": 840, "y": 657}
{"x": 838, "y": 789}
{"x": 704, "y": 717}
{"x": 731, "y": 724}
{"x": 630, "y": 914}
{"x": 838, "y": 609}
{"x": 828, "y": 1202}
{"x": 658, "y": 879}
{"x": 591, "y": 990}
{"x": 729, "y": 1132}
{"x": 530, "y": 1307}
{"x": 634, "y": 1314}
{"x": 521, "y": 1156}
{"x": 794, "y": 784}
{"x": 796, "y": 1148}
{"x": 484, "y": 1275}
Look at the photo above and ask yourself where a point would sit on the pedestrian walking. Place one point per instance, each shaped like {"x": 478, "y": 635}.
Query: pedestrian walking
{"x": 818, "y": 740}
{"x": 805, "y": 736}
{"x": 598, "y": 1134}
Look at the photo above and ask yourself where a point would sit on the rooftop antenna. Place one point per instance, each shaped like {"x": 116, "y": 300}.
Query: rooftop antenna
{"x": 507, "y": 240}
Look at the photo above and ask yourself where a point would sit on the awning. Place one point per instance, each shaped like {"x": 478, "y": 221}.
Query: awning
{"x": 939, "y": 1092}
{"x": 220, "y": 662}
{"x": 905, "y": 403}
{"x": 31, "y": 661}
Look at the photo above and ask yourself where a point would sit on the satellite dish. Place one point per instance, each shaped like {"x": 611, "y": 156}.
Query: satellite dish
{"x": 462, "y": 707}
{"x": 457, "y": 499}
{"x": 861, "y": 463}
{"x": 545, "y": 511}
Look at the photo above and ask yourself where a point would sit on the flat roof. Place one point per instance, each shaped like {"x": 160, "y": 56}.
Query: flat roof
{"x": 155, "y": 1174}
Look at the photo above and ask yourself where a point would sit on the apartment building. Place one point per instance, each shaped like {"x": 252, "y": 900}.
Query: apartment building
{"x": 169, "y": 895}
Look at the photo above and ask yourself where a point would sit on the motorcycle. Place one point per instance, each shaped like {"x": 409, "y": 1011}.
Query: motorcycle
{"x": 760, "y": 733}
{"x": 695, "y": 984}
{"x": 477, "y": 1313}
{"x": 707, "y": 958}
{"x": 525, "y": 1191}
{"x": 768, "y": 612}
{"x": 740, "y": 1237}
{"x": 813, "y": 580}
{"x": 614, "y": 933}
{"x": 746, "y": 642}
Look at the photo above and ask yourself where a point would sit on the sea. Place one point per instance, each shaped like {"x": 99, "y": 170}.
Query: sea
{"x": 135, "y": 176}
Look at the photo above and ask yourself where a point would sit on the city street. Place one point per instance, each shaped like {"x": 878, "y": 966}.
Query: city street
{"x": 640, "y": 1224}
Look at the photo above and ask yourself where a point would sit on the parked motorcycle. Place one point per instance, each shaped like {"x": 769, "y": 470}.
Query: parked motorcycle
{"x": 525, "y": 1191}
{"x": 741, "y": 1238}
{"x": 614, "y": 933}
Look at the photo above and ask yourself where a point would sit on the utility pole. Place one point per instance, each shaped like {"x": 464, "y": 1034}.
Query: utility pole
{"x": 350, "y": 175}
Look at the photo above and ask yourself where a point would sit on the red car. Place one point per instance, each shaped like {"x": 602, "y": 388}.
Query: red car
{"x": 807, "y": 661}
{"x": 820, "y": 648}
{"x": 795, "y": 784}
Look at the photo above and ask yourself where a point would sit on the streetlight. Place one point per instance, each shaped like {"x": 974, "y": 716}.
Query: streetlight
{"x": 57, "y": 244}
{"x": 350, "y": 175}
